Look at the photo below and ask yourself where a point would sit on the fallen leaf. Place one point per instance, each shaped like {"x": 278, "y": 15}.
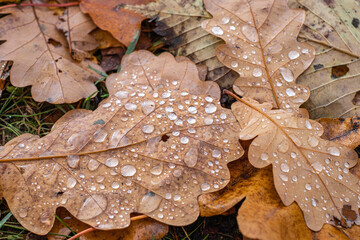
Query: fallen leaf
{"x": 111, "y": 16}
{"x": 261, "y": 46}
{"x": 159, "y": 141}
{"x": 76, "y": 27}
{"x": 105, "y": 39}
{"x": 142, "y": 229}
{"x": 308, "y": 170}
{"x": 111, "y": 58}
{"x": 344, "y": 131}
{"x": 332, "y": 27}
{"x": 41, "y": 58}
{"x": 179, "y": 22}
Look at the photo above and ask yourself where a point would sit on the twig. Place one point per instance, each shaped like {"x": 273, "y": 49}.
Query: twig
{"x": 41, "y": 5}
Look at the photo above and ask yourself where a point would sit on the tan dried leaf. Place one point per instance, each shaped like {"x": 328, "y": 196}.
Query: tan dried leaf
{"x": 179, "y": 22}
{"x": 332, "y": 27}
{"x": 77, "y": 27}
{"x": 41, "y": 57}
{"x": 261, "y": 46}
{"x": 159, "y": 141}
{"x": 307, "y": 169}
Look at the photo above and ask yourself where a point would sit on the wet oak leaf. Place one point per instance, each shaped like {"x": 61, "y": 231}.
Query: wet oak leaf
{"x": 307, "y": 169}
{"x": 111, "y": 16}
{"x": 179, "y": 22}
{"x": 41, "y": 57}
{"x": 332, "y": 28}
{"x": 159, "y": 141}
{"x": 142, "y": 229}
{"x": 261, "y": 46}
{"x": 76, "y": 27}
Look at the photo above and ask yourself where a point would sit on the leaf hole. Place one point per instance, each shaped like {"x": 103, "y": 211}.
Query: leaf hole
{"x": 54, "y": 42}
{"x": 164, "y": 138}
{"x": 356, "y": 99}
{"x": 339, "y": 71}
{"x": 59, "y": 194}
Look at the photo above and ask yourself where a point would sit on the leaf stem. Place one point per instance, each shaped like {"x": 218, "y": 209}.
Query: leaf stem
{"x": 41, "y": 5}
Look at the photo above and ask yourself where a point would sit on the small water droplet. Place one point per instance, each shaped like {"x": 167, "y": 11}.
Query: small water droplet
{"x": 70, "y": 182}
{"x": 287, "y": 74}
{"x": 130, "y": 106}
{"x": 290, "y": 92}
{"x": 191, "y": 157}
{"x": 225, "y": 20}
{"x": 148, "y": 106}
{"x": 284, "y": 177}
{"x": 111, "y": 162}
{"x": 191, "y": 120}
{"x": 172, "y": 117}
{"x": 192, "y": 110}
{"x": 149, "y": 202}
{"x": 257, "y": 72}
{"x": 295, "y": 139}
{"x": 128, "y": 170}
{"x": 184, "y": 140}
{"x": 334, "y": 151}
{"x": 23, "y": 212}
{"x": 115, "y": 185}
{"x": 205, "y": 186}
{"x": 308, "y": 124}
{"x": 234, "y": 64}
{"x": 216, "y": 153}
{"x": 294, "y": 178}
{"x": 250, "y": 33}
{"x": 317, "y": 166}
{"x": 293, "y": 55}
{"x": 314, "y": 202}
{"x": 100, "y": 135}
{"x": 284, "y": 167}
{"x": 313, "y": 142}
{"x": 210, "y": 108}
{"x": 157, "y": 170}
{"x": 283, "y": 146}
{"x": 93, "y": 164}
{"x": 73, "y": 161}
{"x": 217, "y": 30}
{"x": 264, "y": 156}
{"x": 308, "y": 186}
{"x": 148, "y": 128}
{"x": 121, "y": 94}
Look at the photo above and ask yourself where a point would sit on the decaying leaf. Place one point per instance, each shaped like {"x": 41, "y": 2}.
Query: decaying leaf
{"x": 179, "y": 22}
{"x": 344, "y": 131}
{"x": 332, "y": 27}
{"x": 41, "y": 57}
{"x": 143, "y": 229}
{"x": 77, "y": 27}
{"x": 159, "y": 141}
{"x": 111, "y": 16}
{"x": 261, "y": 46}
{"x": 307, "y": 169}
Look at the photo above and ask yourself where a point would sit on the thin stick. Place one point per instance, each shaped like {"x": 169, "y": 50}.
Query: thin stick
{"x": 41, "y": 5}
{"x": 90, "y": 229}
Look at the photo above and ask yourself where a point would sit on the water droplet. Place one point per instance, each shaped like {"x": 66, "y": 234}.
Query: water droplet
{"x": 293, "y": 55}
{"x": 313, "y": 141}
{"x": 169, "y": 109}
{"x": 70, "y": 182}
{"x": 184, "y": 140}
{"x": 294, "y": 178}
{"x": 177, "y": 173}
{"x": 209, "y": 99}
{"x": 111, "y": 162}
{"x": 92, "y": 207}
{"x": 130, "y": 106}
{"x": 191, "y": 120}
{"x": 225, "y": 20}
{"x": 283, "y": 146}
{"x": 308, "y": 186}
{"x": 216, "y": 153}
{"x": 308, "y": 124}
{"x": 295, "y": 139}
{"x": 166, "y": 95}
{"x": 210, "y": 108}
{"x": 191, "y": 157}
{"x": 93, "y": 164}
{"x": 172, "y": 117}
{"x": 148, "y": 106}
{"x": 284, "y": 167}
{"x": 334, "y": 151}
{"x": 73, "y": 161}
{"x": 128, "y": 170}
{"x": 217, "y": 30}
{"x": 115, "y": 185}
{"x": 250, "y": 33}
{"x": 23, "y": 212}
{"x": 293, "y": 155}
{"x": 264, "y": 156}
{"x": 284, "y": 177}
{"x": 205, "y": 186}
{"x": 121, "y": 94}
{"x": 192, "y": 110}
{"x": 287, "y": 74}
{"x": 257, "y": 72}
{"x": 314, "y": 202}
{"x": 317, "y": 166}
{"x": 234, "y": 64}
{"x": 208, "y": 121}
{"x": 290, "y": 92}
{"x": 160, "y": 215}
{"x": 157, "y": 170}
{"x": 149, "y": 202}
{"x": 148, "y": 128}
{"x": 100, "y": 135}
{"x": 177, "y": 198}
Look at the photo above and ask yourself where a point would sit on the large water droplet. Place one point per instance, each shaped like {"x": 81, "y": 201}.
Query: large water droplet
{"x": 295, "y": 139}
{"x": 308, "y": 124}
{"x": 284, "y": 167}
{"x": 192, "y": 110}
{"x": 148, "y": 128}
{"x": 250, "y": 33}
{"x": 130, "y": 106}
{"x": 73, "y": 161}
{"x": 184, "y": 140}
{"x": 217, "y": 31}
{"x": 284, "y": 177}
{"x": 70, "y": 182}
{"x": 172, "y": 116}
{"x": 210, "y": 108}
{"x": 290, "y": 92}
{"x": 148, "y": 106}
{"x": 23, "y": 212}
{"x": 191, "y": 157}
{"x": 157, "y": 170}
{"x": 205, "y": 186}
{"x": 313, "y": 141}
{"x": 111, "y": 162}
{"x": 93, "y": 206}
{"x": 264, "y": 156}
{"x": 334, "y": 151}
{"x": 287, "y": 74}
{"x": 283, "y": 146}
{"x": 225, "y": 20}
{"x": 308, "y": 186}
{"x": 100, "y": 135}
{"x": 257, "y": 72}
{"x": 128, "y": 170}
{"x": 93, "y": 164}
{"x": 121, "y": 94}
{"x": 149, "y": 202}
{"x": 293, "y": 55}
{"x": 317, "y": 166}
{"x": 234, "y": 64}
{"x": 216, "y": 153}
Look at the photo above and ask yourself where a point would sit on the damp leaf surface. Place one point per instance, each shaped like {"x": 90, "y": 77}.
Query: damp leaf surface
{"x": 41, "y": 57}
{"x": 307, "y": 169}
{"x": 159, "y": 141}
{"x": 261, "y": 46}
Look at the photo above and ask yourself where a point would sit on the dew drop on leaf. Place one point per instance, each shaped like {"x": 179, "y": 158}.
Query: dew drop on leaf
{"x": 287, "y": 74}
{"x": 334, "y": 151}
{"x": 217, "y": 31}
{"x": 128, "y": 170}
{"x": 250, "y": 33}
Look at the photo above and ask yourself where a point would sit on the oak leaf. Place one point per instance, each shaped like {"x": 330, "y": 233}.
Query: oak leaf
{"x": 332, "y": 27}
{"x": 76, "y": 27}
{"x": 307, "y": 169}
{"x": 179, "y": 22}
{"x": 41, "y": 58}
{"x": 262, "y": 48}
{"x": 142, "y": 229}
{"x": 160, "y": 140}
{"x": 111, "y": 16}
